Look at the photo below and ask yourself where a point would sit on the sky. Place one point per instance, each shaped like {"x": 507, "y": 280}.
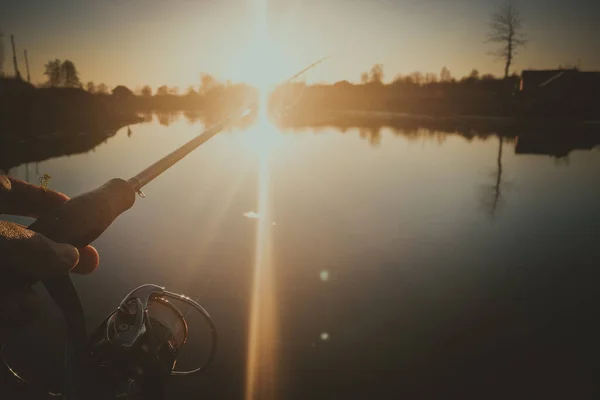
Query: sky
{"x": 155, "y": 42}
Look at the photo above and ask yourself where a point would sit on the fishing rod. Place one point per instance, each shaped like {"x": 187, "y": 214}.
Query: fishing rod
{"x": 139, "y": 341}
{"x": 147, "y": 175}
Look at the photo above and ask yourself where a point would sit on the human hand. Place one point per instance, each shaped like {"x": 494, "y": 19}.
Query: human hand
{"x": 26, "y": 256}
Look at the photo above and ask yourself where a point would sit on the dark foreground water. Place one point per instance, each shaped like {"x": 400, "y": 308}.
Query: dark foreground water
{"x": 421, "y": 266}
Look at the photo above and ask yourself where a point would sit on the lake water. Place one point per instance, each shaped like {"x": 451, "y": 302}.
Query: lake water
{"x": 339, "y": 265}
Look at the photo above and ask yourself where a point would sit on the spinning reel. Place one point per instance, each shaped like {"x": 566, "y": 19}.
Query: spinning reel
{"x": 133, "y": 351}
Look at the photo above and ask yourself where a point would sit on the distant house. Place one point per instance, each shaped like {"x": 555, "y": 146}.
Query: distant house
{"x": 562, "y": 92}
{"x": 532, "y": 80}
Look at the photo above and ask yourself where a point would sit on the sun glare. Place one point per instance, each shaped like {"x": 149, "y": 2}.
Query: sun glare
{"x": 262, "y": 68}
{"x": 262, "y": 65}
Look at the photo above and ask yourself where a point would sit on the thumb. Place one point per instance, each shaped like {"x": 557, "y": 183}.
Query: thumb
{"x": 28, "y": 253}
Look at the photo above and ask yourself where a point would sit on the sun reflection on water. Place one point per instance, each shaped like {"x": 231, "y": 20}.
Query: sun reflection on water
{"x": 261, "y": 369}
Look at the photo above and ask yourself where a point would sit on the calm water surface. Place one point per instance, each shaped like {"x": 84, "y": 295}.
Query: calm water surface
{"x": 336, "y": 267}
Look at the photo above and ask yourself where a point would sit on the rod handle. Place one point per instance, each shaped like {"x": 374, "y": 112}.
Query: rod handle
{"x": 82, "y": 219}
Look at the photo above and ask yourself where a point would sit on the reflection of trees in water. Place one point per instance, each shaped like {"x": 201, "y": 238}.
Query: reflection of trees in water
{"x": 374, "y": 133}
{"x": 168, "y": 118}
{"x": 373, "y": 136}
{"x": 491, "y": 194}
{"x": 51, "y": 144}
{"x": 530, "y": 137}
{"x": 545, "y": 137}
{"x": 207, "y": 119}
{"x": 32, "y": 144}
{"x": 410, "y": 127}
{"x": 192, "y": 116}
{"x": 146, "y": 116}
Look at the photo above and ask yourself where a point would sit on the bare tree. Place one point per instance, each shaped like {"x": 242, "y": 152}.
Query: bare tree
{"x": 492, "y": 193}
{"x": 506, "y": 28}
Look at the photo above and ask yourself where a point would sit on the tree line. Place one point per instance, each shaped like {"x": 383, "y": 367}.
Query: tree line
{"x": 207, "y": 84}
{"x": 376, "y": 74}
{"x": 64, "y": 74}
{"x": 505, "y": 30}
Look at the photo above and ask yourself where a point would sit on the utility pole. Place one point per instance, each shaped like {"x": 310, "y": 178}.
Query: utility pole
{"x": 15, "y": 65}
{"x": 27, "y": 66}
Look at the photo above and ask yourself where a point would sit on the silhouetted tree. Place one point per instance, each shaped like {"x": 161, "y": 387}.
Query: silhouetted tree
{"x": 146, "y": 91}
{"x": 474, "y": 74}
{"x": 409, "y": 79}
{"x": 52, "y": 71}
{"x": 364, "y": 78}
{"x": 376, "y": 75}
{"x": 69, "y": 74}
{"x": 417, "y": 77}
{"x": 102, "y": 89}
{"x": 162, "y": 90}
{"x": 430, "y": 78}
{"x": 445, "y": 75}
{"x": 207, "y": 83}
{"x": 506, "y": 28}
{"x": 90, "y": 87}
{"x": 173, "y": 91}
{"x": 191, "y": 91}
